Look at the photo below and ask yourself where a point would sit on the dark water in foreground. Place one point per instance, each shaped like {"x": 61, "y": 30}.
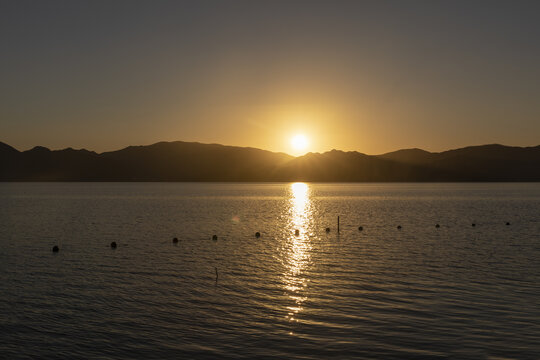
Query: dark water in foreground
{"x": 421, "y": 292}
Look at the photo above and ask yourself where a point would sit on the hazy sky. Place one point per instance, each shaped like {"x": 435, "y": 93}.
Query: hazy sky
{"x": 371, "y": 76}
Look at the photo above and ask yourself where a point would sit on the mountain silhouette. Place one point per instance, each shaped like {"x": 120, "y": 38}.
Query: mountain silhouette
{"x": 189, "y": 161}
{"x": 476, "y": 163}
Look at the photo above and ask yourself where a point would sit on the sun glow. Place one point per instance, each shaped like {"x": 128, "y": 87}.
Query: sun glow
{"x": 299, "y": 142}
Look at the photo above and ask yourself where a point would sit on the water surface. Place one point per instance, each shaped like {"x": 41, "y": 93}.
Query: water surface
{"x": 455, "y": 291}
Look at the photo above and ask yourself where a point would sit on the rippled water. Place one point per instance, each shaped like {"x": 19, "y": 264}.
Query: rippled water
{"x": 456, "y": 291}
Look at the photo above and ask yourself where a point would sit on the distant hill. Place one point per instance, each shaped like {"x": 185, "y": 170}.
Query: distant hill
{"x": 164, "y": 161}
{"x": 188, "y": 161}
{"x": 476, "y": 163}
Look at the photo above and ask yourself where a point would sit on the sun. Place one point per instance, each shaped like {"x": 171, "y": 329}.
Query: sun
{"x": 299, "y": 142}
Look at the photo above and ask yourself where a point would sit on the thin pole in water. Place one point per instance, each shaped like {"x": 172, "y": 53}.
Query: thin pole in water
{"x": 216, "y": 273}
{"x": 338, "y": 224}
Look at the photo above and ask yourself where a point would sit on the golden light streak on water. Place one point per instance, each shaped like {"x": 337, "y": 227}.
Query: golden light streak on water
{"x": 298, "y": 247}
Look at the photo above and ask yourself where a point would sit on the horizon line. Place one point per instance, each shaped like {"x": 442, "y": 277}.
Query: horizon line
{"x": 275, "y": 152}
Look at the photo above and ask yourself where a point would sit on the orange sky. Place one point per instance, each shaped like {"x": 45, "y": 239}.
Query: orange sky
{"x": 367, "y": 76}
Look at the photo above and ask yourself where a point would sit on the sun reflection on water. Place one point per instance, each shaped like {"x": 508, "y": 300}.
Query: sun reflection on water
{"x": 297, "y": 247}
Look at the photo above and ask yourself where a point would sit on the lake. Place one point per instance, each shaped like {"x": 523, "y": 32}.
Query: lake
{"x": 424, "y": 292}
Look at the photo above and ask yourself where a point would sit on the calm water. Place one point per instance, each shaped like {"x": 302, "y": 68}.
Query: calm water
{"x": 455, "y": 291}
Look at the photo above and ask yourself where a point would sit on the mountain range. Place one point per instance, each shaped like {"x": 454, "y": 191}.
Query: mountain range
{"x": 190, "y": 161}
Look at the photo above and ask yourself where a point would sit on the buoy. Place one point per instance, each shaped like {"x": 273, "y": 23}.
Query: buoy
{"x": 296, "y": 232}
{"x": 175, "y": 240}
{"x": 55, "y": 248}
{"x": 257, "y": 234}
{"x": 360, "y": 228}
{"x": 473, "y": 224}
{"x": 113, "y": 245}
{"x": 399, "y": 227}
{"x": 507, "y": 223}
{"x": 437, "y": 226}
{"x": 214, "y": 237}
{"x": 327, "y": 229}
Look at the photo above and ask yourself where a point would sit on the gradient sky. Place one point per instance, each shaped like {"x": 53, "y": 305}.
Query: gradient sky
{"x": 371, "y": 76}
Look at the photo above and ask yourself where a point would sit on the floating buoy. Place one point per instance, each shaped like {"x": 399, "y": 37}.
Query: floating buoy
{"x": 473, "y": 224}
{"x": 360, "y": 228}
{"x": 297, "y": 232}
{"x": 214, "y": 237}
{"x": 113, "y": 245}
{"x": 399, "y": 227}
{"x": 175, "y": 240}
{"x": 507, "y": 223}
{"x": 437, "y": 226}
{"x": 55, "y": 248}
{"x": 327, "y": 229}
{"x": 257, "y": 234}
